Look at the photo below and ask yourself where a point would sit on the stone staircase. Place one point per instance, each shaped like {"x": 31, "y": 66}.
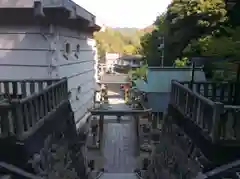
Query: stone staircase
{"x": 5, "y": 176}
{"x": 119, "y": 176}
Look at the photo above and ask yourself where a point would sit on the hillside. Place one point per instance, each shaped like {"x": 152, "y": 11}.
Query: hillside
{"x": 132, "y": 31}
{"x": 148, "y": 29}
{"x": 127, "y": 31}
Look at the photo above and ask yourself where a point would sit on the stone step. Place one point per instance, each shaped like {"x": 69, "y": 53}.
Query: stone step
{"x": 119, "y": 176}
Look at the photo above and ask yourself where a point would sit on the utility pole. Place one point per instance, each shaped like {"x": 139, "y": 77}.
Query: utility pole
{"x": 161, "y": 49}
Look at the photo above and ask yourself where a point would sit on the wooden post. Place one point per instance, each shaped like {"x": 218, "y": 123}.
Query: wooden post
{"x": 236, "y": 95}
{"x": 218, "y": 108}
{"x": 193, "y": 73}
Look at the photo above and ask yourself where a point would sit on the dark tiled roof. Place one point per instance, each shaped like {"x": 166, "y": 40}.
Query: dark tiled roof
{"x": 131, "y": 57}
{"x": 68, "y": 10}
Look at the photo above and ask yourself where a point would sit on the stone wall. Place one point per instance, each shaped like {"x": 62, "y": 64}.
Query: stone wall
{"x": 54, "y": 150}
{"x": 63, "y": 154}
{"x": 175, "y": 156}
{"x": 59, "y": 159}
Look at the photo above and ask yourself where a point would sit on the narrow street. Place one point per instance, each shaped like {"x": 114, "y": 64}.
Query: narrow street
{"x": 119, "y": 141}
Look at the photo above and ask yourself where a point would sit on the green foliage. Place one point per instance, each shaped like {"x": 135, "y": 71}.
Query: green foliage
{"x": 223, "y": 46}
{"x": 139, "y": 73}
{"x": 123, "y": 41}
{"x": 188, "y": 20}
{"x": 181, "y": 62}
{"x": 151, "y": 41}
{"x": 184, "y": 22}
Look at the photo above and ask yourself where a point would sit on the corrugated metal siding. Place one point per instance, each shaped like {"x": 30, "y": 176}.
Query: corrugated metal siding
{"x": 141, "y": 85}
{"x": 159, "y": 80}
{"x": 158, "y": 84}
{"x": 158, "y": 101}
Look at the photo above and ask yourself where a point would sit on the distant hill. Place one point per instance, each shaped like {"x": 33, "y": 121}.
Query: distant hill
{"x": 148, "y": 29}
{"x": 131, "y": 31}
{"x": 127, "y": 31}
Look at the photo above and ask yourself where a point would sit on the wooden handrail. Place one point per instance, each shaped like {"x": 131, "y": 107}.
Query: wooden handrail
{"x": 225, "y": 92}
{"x": 42, "y": 92}
{"x": 30, "y": 80}
{"x": 23, "y": 88}
{"x": 202, "y": 111}
{"x": 18, "y": 116}
{"x": 200, "y": 97}
{"x": 17, "y": 171}
{"x": 225, "y": 109}
{"x": 221, "y": 172}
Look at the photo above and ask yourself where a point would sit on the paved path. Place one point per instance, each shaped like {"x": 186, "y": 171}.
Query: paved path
{"x": 119, "y": 147}
{"x": 119, "y": 141}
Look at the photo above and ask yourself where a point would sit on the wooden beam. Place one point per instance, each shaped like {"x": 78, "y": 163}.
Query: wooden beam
{"x": 119, "y": 112}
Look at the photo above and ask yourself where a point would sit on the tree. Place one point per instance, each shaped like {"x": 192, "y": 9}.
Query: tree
{"x": 188, "y": 20}
{"x": 129, "y": 49}
{"x": 123, "y": 41}
{"x": 151, "y": 41}
{"x": 139, "y": 73}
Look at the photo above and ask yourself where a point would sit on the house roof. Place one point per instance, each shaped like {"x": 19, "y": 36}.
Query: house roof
{"x": 59, "y": 12}
{"x": 130, "y": 57}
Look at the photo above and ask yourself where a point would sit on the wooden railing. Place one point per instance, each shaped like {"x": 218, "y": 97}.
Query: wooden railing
{"x": 229, "y": 129}
{"x": 24, "y": 88}
{"x": 224, "y": 92}
{"x": 215, "y": 117}
{"x": 20, "y": 117}
{"x": 230, "y": 171}
{"x": 202, "y": 111}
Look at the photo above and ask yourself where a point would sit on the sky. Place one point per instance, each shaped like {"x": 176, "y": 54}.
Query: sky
{"x": 125, "y": 13}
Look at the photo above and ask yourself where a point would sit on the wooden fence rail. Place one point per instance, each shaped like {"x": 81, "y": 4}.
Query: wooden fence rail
{"x": 230, "y": 170}
{"x": 21, "y": 116}
{"x": 224, "y": 92}
{"x": 207, "y": 105}
{"x": 24, "y": 88}
{"x": 202, "y": 111}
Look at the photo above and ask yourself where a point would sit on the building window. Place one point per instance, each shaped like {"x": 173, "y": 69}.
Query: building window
{"x": 77, "y": 51}
{"x": 67, "y": 50}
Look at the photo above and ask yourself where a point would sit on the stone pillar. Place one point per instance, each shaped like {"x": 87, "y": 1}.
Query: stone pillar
{"x": 154, "y": 121}
{"x": 137, "y": 126}
{"x": 160, "y": 119}
{"x": 101, "y": 121}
